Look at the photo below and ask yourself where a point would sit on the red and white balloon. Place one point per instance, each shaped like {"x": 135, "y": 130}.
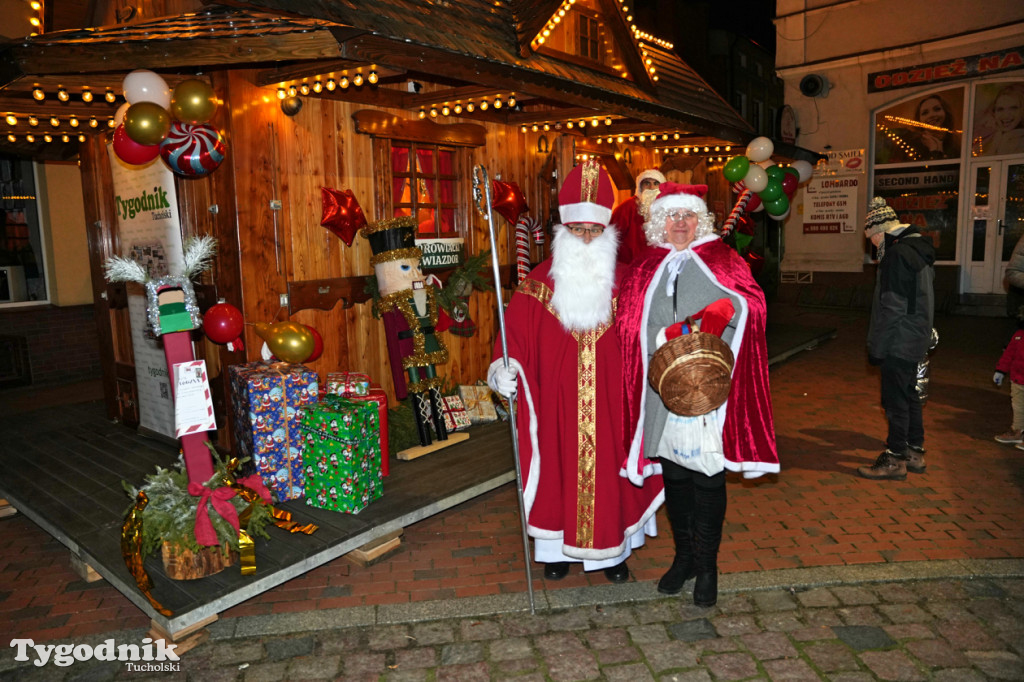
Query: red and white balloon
{"x": 193, "y": 150}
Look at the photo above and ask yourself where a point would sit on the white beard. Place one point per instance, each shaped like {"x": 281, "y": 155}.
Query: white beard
{"x": 584, "y": 275}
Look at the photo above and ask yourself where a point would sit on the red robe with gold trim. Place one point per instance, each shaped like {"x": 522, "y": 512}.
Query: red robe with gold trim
{"x": 569, "y": 418}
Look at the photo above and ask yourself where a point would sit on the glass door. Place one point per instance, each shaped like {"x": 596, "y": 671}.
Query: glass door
{"x": 996, "y": 223}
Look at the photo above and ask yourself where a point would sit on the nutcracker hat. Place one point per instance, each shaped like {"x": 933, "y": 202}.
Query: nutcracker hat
{"x": 392, "y": 239}
{"x": 587, "y": 195}
{"x": 881, "y": 218}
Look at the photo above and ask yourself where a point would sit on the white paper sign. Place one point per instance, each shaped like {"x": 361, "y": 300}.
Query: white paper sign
{"x": 193, "y": 406}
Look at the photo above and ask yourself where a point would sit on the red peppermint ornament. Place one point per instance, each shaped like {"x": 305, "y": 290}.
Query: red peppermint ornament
{"x": 342, "y": 214}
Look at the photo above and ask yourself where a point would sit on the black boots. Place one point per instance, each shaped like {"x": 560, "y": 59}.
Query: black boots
{"x": 708, "y": 517}
{"x": 679, "y": 505}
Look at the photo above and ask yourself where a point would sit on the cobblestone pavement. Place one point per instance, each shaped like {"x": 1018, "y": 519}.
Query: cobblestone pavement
{"x": 956, "y": 630}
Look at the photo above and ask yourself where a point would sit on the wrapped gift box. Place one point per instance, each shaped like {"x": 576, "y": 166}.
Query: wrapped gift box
{"x": 347, "y": 384}
{"x": 380, "y": 399}
{"x": 265, "y": 399}
{"x": 479, "y": 407}
{"x": 341, "y": 454}
{"x": 455, "y": 416}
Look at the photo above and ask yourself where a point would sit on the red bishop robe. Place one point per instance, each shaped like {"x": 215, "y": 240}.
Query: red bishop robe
{"x": 569, "y": 419}
{"x": 748, "y": 433}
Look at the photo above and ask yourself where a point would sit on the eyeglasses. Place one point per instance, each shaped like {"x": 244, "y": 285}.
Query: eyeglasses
{"x": 580, "y": 230}
{"x": 682, "y": 215}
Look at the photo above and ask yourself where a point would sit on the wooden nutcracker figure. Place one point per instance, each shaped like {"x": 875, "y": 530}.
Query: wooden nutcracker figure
{"x": 412, "y": 321}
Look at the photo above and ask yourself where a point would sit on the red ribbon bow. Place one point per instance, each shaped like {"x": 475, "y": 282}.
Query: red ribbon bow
{"x": 206, "y": 535}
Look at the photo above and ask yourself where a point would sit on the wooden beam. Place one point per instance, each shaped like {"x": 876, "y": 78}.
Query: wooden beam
{"x": 381, "y": 124}
{"x": 326, "y": 68}
{"x": 43, "y": 59}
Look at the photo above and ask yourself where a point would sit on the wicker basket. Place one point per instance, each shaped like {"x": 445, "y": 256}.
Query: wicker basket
{"x": 692, "y": 373}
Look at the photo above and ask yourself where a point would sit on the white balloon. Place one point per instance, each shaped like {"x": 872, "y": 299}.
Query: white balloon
{"x": 143, "y": 85}
{"x": 766, "y": 164}
{"x": 804, "y": 168}
{"x": 783, "y": 216}
{"x": 760, "y": 207}
{"x": 760, "y": 149}
{"x": 755, "y": 179}
{"x": 119, "y": 114}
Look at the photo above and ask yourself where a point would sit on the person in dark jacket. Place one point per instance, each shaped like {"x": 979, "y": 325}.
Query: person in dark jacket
{"x": 902, "y": 312}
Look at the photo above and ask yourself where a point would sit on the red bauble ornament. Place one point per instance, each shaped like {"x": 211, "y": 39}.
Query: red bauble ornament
{"x": 508, "y": 200}
{"x": 223, "y": 323}
{"x": 318, "y": 344}
{"x": 130, "y": 151}
{"x": 342, "y": 214}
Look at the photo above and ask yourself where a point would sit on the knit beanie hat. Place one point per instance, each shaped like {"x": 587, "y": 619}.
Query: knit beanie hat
{"x": 881, "y": 218}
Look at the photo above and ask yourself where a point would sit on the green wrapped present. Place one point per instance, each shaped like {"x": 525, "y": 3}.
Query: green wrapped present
{"x": 341, "y": 454}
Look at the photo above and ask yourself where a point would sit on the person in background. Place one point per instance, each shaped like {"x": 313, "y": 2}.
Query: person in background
{"x": 899, "y": 335}
{"x": 688, "y": 272}
{"x": 1012, "y": 362}
{"x": 565, "y": 369}
{"x": 629, "y": 216}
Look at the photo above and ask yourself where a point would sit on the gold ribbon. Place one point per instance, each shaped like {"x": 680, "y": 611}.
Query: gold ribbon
{"x": 131, "y": 551}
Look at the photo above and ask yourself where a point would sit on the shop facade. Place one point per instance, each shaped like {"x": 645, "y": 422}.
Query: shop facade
{"x": 917, "y": 102}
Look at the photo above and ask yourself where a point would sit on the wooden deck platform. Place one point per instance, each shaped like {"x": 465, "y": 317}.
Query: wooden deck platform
{"x": 62, "y": 467}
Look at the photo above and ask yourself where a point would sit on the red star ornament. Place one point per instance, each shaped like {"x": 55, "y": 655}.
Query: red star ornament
{"x": 342, "y": 214}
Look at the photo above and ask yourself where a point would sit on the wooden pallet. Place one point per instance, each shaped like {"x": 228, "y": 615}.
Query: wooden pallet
{"x": 377, "y": 550}
{"x": 84, "y": 570}
{"x": 185, "y": 639}
{"x": 420, "y": 450}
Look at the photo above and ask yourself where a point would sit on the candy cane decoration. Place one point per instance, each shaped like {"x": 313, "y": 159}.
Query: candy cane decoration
{"x": 526, "y": 226}
{"x": 737, "y": 211}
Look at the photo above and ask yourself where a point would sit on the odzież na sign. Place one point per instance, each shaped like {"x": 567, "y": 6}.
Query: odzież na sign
{"x": 955, "y": 69}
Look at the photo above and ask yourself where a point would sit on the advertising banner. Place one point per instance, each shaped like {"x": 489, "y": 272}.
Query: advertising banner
{"x": 150, "y": 233}
{"x": 830, "y": 204}
{"x": 973, "y": 66}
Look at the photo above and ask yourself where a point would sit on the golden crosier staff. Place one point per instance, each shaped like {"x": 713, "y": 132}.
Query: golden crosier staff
{"x": 482, "y": 196}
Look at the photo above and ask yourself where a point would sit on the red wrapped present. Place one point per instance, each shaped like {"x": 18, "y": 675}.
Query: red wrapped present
{"x": 455, "y": 416}
{"x": 348, "y": 384}
{"x": 377, "y": 395}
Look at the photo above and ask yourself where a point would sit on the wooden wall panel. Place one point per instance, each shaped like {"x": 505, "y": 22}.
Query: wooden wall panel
{"x": 290, "y": 159}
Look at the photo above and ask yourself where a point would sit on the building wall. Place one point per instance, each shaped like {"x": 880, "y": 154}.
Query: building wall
{"x": 845, "y": 41}
{"x": 60, "y": 343}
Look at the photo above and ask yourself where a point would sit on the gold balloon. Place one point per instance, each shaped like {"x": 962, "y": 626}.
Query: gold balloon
{"x": 288, "y": 341}
{"x": 147, "y": 123}
{"x": 193, "y": 101}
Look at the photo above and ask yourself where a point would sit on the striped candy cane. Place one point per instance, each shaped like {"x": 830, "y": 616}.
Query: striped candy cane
{"x": 524, "y": 228}
{"x": 737, "y": 211}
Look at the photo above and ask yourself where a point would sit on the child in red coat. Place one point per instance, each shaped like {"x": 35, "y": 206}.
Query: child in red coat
{"x": 1012, "y": 362}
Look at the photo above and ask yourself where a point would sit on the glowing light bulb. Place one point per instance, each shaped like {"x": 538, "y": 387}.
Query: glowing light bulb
{"x": 445, "y": 110}
{"x": 281, "y": 94}
{"x": 343, "y": 82}
{"x": 11, "y": 120}
{"x": 110, "y": 96}
{"x": 304, "y": 88}
{"x": 292, "y": 91}
{"x": 87, "y": 95}
{"x": 483, "y": 105}
{"x": 470, "y": 107}
{"x": 30, "y": 138}
{"x": 65, "y": 138}
{"x": 357, "y": 80}
{"x": 318, "y": 87}
{"x": 331, "y": 85}
{"x": 33, "y": 121}
{"x": 47, "y": 137}
{"x": 433, "y": 112}
{"x": 458, "y": 108}
{"x": 422, "y": 114}
{"x": 73, "y": 121}
{"x": 497, "y": 102}
{"x": 38, "y": 94}
{"x": 54, "y": 121}
{"x": 373, "y": 78}
{"x": 511, "y": 100}
{"x": 93, "y": 123}
{"x": 62, "y": 95}
{"x": 111, "y": 123}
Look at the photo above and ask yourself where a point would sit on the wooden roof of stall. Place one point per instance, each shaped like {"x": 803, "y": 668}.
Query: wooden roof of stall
{"x": 292, "y": 40}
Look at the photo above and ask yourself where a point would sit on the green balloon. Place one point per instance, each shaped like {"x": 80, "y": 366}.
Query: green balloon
{"x": 775, "y": 173}
{"x": 777, "y": 206}
{"x": 735, "y": 169}
{"x": 772, "y": 191}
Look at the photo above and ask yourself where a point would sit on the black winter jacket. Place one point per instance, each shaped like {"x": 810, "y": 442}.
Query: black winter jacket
{"x": 903, "y": 306}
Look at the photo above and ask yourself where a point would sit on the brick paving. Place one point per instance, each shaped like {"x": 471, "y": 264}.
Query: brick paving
{"x": 836, "y": 547}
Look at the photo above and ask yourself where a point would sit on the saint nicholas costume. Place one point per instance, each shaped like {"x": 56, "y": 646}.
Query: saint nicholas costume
{"x": 563, "y": 346}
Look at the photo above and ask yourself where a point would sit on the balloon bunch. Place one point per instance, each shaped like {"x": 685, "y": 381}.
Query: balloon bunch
{"x": 154, "y": 121}
{"x": 288, "y": 341}
{"x": 761, "y": 184}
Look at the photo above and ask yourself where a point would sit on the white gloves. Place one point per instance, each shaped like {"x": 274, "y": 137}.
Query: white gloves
{"x": 501, "y": 379}
{"x": 997, "y": 378}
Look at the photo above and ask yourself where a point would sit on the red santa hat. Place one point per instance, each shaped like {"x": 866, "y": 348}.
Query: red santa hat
{"x": 676, "y": 195}
{"x": 587, "y": 195}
